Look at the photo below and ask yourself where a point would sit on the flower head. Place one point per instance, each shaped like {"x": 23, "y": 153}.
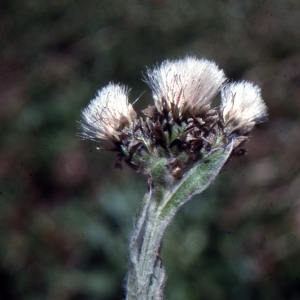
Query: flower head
{"x": 242, "y": 107}
{"x": 181, "y": 127}
{"x": 108, "y": 113}
{"x": 185, "y": 87}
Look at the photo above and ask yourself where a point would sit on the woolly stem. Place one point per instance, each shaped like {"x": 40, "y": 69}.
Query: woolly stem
{"x": 146, "y": 277}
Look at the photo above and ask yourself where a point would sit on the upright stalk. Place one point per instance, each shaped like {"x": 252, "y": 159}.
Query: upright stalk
{"x": 146, "y": 276}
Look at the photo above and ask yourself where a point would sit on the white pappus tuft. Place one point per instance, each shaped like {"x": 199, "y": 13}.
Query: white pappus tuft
{"x": 108, "y": 113}
{"x": 187, "y": 85}
{"x": 242, "y": 107}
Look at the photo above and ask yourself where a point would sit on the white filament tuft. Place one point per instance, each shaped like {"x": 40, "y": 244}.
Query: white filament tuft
{"x": 103, "y": 116}
{"x": 185, "y": 83}
{"x": 242, "y": 104}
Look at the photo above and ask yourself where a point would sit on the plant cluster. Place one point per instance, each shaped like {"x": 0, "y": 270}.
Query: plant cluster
{"x": 182, "y": 125}
{"x": 181, "y": 145}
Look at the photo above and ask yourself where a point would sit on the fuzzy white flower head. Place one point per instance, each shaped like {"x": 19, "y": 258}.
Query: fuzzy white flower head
{"x": 186, "y": 86}
{"x": 108, "y": 113}
{"x": 242, "y": 107}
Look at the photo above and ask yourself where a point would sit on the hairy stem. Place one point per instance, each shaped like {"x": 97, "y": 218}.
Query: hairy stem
{"x": 146, "y": 276}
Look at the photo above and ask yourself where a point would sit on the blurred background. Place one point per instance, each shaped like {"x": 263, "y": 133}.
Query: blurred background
{"x": 66, "y": 213}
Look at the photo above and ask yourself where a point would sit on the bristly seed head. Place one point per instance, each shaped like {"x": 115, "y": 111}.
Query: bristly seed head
{"x": 108, "y": 114}
{"x": 182, "y": 126}
{"x": 185, "y": 87}
{"x": 242, "y": 107}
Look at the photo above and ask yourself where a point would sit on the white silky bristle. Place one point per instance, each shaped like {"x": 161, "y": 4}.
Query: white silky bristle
{"x": 102, "y": 116}
{"x": 242, "y": 103}
{"x": 185, "y": 82}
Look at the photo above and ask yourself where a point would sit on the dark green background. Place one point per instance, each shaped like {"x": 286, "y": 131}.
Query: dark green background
{"x": 66, "y": 213}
